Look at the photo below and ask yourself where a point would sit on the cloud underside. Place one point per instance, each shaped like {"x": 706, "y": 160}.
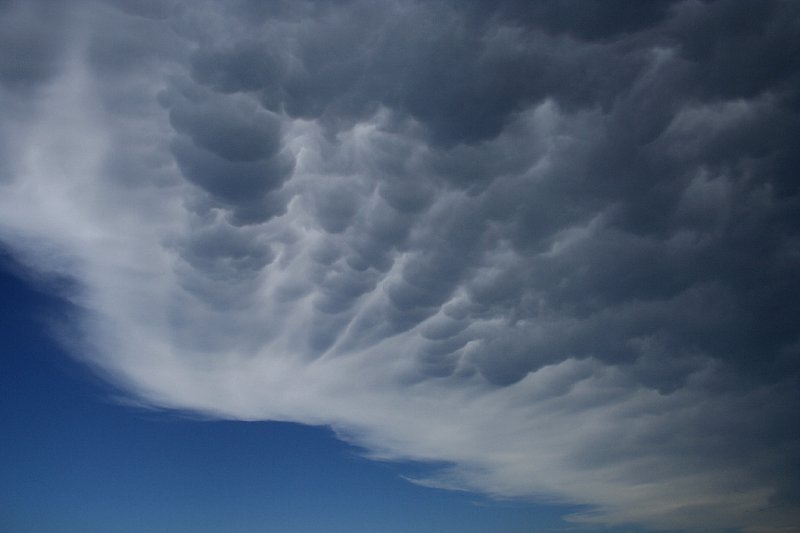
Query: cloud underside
{"x": 553, "y": 246}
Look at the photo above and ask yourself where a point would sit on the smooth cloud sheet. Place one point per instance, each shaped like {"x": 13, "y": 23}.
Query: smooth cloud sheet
{"x": 551, "y": 245}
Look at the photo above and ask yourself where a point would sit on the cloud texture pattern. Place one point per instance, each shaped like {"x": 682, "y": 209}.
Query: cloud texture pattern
{"x": 552, "y": 246}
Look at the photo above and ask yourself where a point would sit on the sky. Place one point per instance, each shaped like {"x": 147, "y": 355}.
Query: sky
{"x": 400, "y": 265}
{"x": 74, "y": 460}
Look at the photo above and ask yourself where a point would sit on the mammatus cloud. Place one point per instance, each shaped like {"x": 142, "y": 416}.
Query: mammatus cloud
{"x": 554, "y": 246}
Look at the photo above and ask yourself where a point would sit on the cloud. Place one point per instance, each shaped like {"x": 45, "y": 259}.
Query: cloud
{"x": 551, "y": 247}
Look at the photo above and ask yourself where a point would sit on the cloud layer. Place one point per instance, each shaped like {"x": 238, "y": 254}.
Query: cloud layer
{"x": 552, "y": 246}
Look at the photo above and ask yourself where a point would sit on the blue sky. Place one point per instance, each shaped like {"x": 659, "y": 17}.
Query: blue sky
{"x": 75, "y": 460}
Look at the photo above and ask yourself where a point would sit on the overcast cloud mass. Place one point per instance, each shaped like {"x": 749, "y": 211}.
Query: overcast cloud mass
{"x": 552, "y": 246}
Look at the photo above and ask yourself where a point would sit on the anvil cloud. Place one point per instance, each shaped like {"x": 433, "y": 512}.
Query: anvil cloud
{"x": 553, "y": 245}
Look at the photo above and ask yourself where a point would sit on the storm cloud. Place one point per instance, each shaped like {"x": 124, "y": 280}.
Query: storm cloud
{"x": 551, "y": 245}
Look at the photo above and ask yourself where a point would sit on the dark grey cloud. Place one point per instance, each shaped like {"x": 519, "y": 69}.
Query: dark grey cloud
{"x": 594, "y": 20}
{"x": 459, "y": 75}
{"x": 552, "y": 244}
{"x": 31, "y": 48}
{"x": 231, "y": 149}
